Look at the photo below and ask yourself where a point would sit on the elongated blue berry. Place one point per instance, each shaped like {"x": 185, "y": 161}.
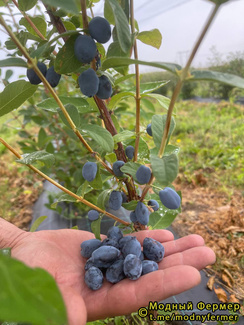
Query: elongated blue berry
{"x": 93, "y": 215}
{"x": 99, "y": 29}
{"x": 89, "y": 246}
{"x": 149, "y": 129}
{"x": 170, "y": 198}
{"x": 153, "y": 250}
{"x": 33, "y": 77}
{"x": 104, "y": 88}
{"x": 115, "y": 200}
{"x": 89, "y": 171}
{"x": 94, "y": 278}
{"x": 142, "y": 213}
{"x": 143, "y": 174}
{"x": 88, "y": 82}
{"x": 132, "y": 267}
{"x": 85, "y": 48}
{"x": 53, "y": 77}
{"x": 105, "y": 256}
{"x": 129, "y": 151}
{"x": 116, "y": 168}
{"x": 115, "y": 272}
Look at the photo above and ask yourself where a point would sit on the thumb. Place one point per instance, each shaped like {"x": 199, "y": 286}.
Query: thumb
{"x": 75, "y": 306}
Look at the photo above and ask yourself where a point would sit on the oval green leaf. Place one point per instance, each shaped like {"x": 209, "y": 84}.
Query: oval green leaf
{"x": 14, "y": 95}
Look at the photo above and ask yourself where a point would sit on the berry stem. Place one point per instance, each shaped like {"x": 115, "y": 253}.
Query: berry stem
{"x": 183, "y": 76}
{"x": 138, "y": 96}
{"x": 64, "y": 189}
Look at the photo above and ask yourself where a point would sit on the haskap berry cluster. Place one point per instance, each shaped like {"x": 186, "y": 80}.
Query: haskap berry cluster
{"x": 118, "y": 257}
{"x": 169, "y": 198}
{"x": 50, "y": 74}
{"x": 85, "y": 51}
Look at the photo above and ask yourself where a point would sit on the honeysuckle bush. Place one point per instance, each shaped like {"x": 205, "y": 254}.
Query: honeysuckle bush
{"x": 72, "y": 129}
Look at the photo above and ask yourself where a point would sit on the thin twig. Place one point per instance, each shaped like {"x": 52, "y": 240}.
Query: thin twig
{"x": 181, "y": 80}
{"x": 30, "y": 21}
{"x": 138, "y": 96}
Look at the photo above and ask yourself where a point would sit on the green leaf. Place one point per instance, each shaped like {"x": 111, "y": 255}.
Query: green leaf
{"x": 122, "y": 136}
{"x": 114, "y": 62}
{"x": 69, "y": 6}
{"x": 41, "y": 137}
{"x": 152, "y": 37}
{"x": 5, "y": 251}
{"x": 148, "y": 87}
{"x": 73, "y": 113}
{"x": 66, "y": 60}
{"x": 108, "y": 13}
{"x": 158, "y": 126}
{"x": 29, "y": 158}
{"x": 13, "y": 62}
{"x": 164, "y": 217}
{"x": 39, "y": 22}
{"x": 100, "y": 135}
{"x": 14, "y": 95}
{"x": 63, "y": 198}
{"x": 225, "y": 78}
{"x": 156, "y": 221}
{"x": 29, "y": 295}
{"x": 171, "y": 149}
{"x": 111, "y": 157}
{"x": 162, "y": 100}
{"x": 122, "y": 26}
{"x": 37, "y": 223}
{"x": 26, "y": 5}
{"x": 96, "y": 228}
{"x": 130, "y": 168}
{"x": 130, "y": 205}
{"x": 165, "y": 169}
{"x": 103, "y": 198}
{"x": 114, "y": 49}
{"x": 50, "y": 104}
{"x": 118, "y": 97}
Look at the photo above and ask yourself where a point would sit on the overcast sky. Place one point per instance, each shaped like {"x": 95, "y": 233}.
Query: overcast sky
{"x": 180, "y": 22}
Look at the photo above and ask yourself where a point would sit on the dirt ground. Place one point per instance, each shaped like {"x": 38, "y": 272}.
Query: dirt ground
{"x": 219, "y": 219}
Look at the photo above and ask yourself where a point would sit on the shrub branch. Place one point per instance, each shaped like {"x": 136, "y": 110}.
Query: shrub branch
{"x": 138, "y": 96}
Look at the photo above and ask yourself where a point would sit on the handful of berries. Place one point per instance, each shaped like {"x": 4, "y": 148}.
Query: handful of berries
{"x": 118, "y": 257}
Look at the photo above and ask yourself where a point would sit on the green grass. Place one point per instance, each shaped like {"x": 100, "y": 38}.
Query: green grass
{"x": 211, "y": 138}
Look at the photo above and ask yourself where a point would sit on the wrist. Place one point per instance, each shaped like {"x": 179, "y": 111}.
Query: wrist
{"x": 9, "y": 234}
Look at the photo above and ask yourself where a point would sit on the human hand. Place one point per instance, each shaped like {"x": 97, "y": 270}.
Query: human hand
{"x": 58, "y": 252}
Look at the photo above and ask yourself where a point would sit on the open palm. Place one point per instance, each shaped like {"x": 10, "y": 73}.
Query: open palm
{"x": 58, "y": 252}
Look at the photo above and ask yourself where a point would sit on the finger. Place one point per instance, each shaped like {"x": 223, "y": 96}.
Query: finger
{"x": 160, "y": 235}
{"x": 182, "y": 244}
{"x": 75, "y": 306}
{"x": 198, "y": 257}
{"x": 128, "y": 296}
